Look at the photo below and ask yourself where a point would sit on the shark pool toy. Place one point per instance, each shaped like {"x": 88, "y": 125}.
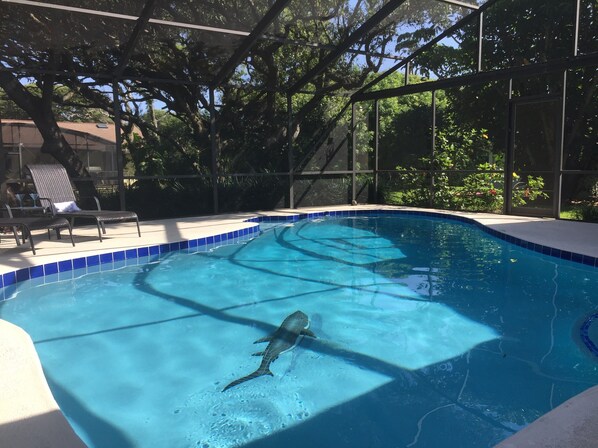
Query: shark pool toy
{"x": 282, "y": 340}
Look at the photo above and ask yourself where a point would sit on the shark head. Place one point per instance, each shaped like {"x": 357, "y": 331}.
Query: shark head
{"x": 301, "y": 317}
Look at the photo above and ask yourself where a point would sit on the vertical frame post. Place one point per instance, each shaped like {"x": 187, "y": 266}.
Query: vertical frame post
{"x": 291, "y": 202}
{"x": 118, "y": 146}
{"x": 576, "y": 32}
{"x": 353, "y": 154}
{"x": 559, "y": 162}
{"x": 433, "y": 149}
{"x": 376, "y": 147}
{"x": 480, "y": 40}
{"x": 214, "y": 150}
{"x": 508, "y": 168}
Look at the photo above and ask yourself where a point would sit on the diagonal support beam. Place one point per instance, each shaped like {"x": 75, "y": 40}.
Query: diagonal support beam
{"x": 141, "y": 23}
{"x": 250, "y": 41}
{"x": 456, "y": 26}
{"x": 341, "y": 48}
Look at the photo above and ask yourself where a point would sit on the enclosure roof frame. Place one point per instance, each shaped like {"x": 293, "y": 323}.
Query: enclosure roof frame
{"x": 249, "y": 40}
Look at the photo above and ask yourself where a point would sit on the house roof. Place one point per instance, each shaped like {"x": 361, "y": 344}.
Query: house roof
{"x": 100, "y": 131}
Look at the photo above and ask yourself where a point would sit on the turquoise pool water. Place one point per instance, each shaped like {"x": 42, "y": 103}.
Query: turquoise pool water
{"x": 429, "y": 333}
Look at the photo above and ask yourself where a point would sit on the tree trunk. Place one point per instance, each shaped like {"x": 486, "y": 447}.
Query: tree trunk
{"x": 39, "y": 108}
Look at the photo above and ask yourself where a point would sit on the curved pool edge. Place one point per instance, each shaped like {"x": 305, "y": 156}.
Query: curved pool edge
{"x": 572, "y": 424}
{"x": 29, "y": 415}
{"x": 540, "y": 235}
{"x": 26, "y": 375}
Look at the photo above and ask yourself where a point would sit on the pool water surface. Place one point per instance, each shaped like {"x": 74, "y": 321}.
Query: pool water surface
{"x": 429, "y": 333}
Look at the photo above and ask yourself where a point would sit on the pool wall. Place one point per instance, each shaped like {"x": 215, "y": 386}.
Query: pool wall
{"x": 76, "y": 267}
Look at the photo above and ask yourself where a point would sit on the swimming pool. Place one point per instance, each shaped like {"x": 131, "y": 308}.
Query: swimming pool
{"x": 429, "y": 333}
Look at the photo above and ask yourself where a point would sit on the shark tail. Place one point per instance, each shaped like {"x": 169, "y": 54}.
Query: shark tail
{"x": 257, "y": 373}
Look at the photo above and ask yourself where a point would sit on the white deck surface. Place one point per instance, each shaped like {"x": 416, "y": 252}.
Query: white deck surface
{"x": 29, "y": 416}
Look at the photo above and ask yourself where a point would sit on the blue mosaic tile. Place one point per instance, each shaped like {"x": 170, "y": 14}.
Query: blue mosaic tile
{"x": 143, "y": 252}
{"x": 79, "y": 263}
{"x": 92, "y": 268}
{"x": 153, "y": 250}
{"x": 66, "y": 265}
{"x": 1, "y": 281}
{"x": 210, "y": 240}
{"x": 174, "y": 246}
{"x": 51, "y": 268}
{"x": 164, "y": 248}
{"x": 36, "y": 271}
{"x": 92, "y": 260}
{"x": 584, "y": 333}
{"x": 201, "y": 242}
{"x": 130, "y": 253}
{"x": 192, "y": 243}
{"x": 22, "y": 275}
{"x": 576, "y": 257}
{"x": 106, "y": 258}
{"x": 184, "y": 244}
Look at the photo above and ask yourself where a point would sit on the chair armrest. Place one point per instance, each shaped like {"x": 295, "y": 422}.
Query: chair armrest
{"x": 52, "y": 208}
{"x": 9, "y": 210}
{"x": 88, "y": 201}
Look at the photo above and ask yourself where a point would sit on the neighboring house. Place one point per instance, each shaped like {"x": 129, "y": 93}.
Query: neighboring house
{"x": 21, "y": 142}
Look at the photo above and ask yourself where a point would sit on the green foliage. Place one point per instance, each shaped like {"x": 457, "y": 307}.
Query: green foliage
{"x": 459, "y": 148}
{"x": 586, "y": 212}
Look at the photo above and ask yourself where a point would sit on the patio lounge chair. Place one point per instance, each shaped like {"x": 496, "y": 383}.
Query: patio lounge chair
{"x": 29, "y": 223}
{"x": 54, "y": 188}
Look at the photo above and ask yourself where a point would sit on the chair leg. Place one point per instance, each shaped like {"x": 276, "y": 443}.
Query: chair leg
{"x": 27, "y": 232}
{"x": 138, "y": 230}
{"x": 71, "y": 234}
{"x": 99, "y": 229}
{"x": 16, "y": 234}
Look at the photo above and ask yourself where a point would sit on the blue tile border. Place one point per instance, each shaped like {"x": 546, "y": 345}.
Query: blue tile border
{"x": 73, "y": 268}
{"x": 118, "y": 259}
{"x": 584, "y": 332}
{"x": 546, "y": 250}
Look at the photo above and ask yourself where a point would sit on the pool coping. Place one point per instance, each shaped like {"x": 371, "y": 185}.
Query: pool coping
{"x": 68, "y": 268}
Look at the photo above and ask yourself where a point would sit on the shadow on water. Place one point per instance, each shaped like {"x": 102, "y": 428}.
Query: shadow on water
{"x": 97, "y": 431}
{"x": 320, "y": 346}
{"x": 372, "y": 420}
{"x": 348, "y": 418}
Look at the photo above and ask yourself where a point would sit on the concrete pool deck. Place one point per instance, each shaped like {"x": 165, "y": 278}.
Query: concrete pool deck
{"x": 29, "y": 415}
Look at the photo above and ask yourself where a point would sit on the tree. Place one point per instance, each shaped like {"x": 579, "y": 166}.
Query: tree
{"x": 96, "y": 44}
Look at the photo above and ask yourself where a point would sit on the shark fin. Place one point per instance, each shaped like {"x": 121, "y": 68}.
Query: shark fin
{"x": 264, "y": 339}
{"x": 307, "y": 332}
